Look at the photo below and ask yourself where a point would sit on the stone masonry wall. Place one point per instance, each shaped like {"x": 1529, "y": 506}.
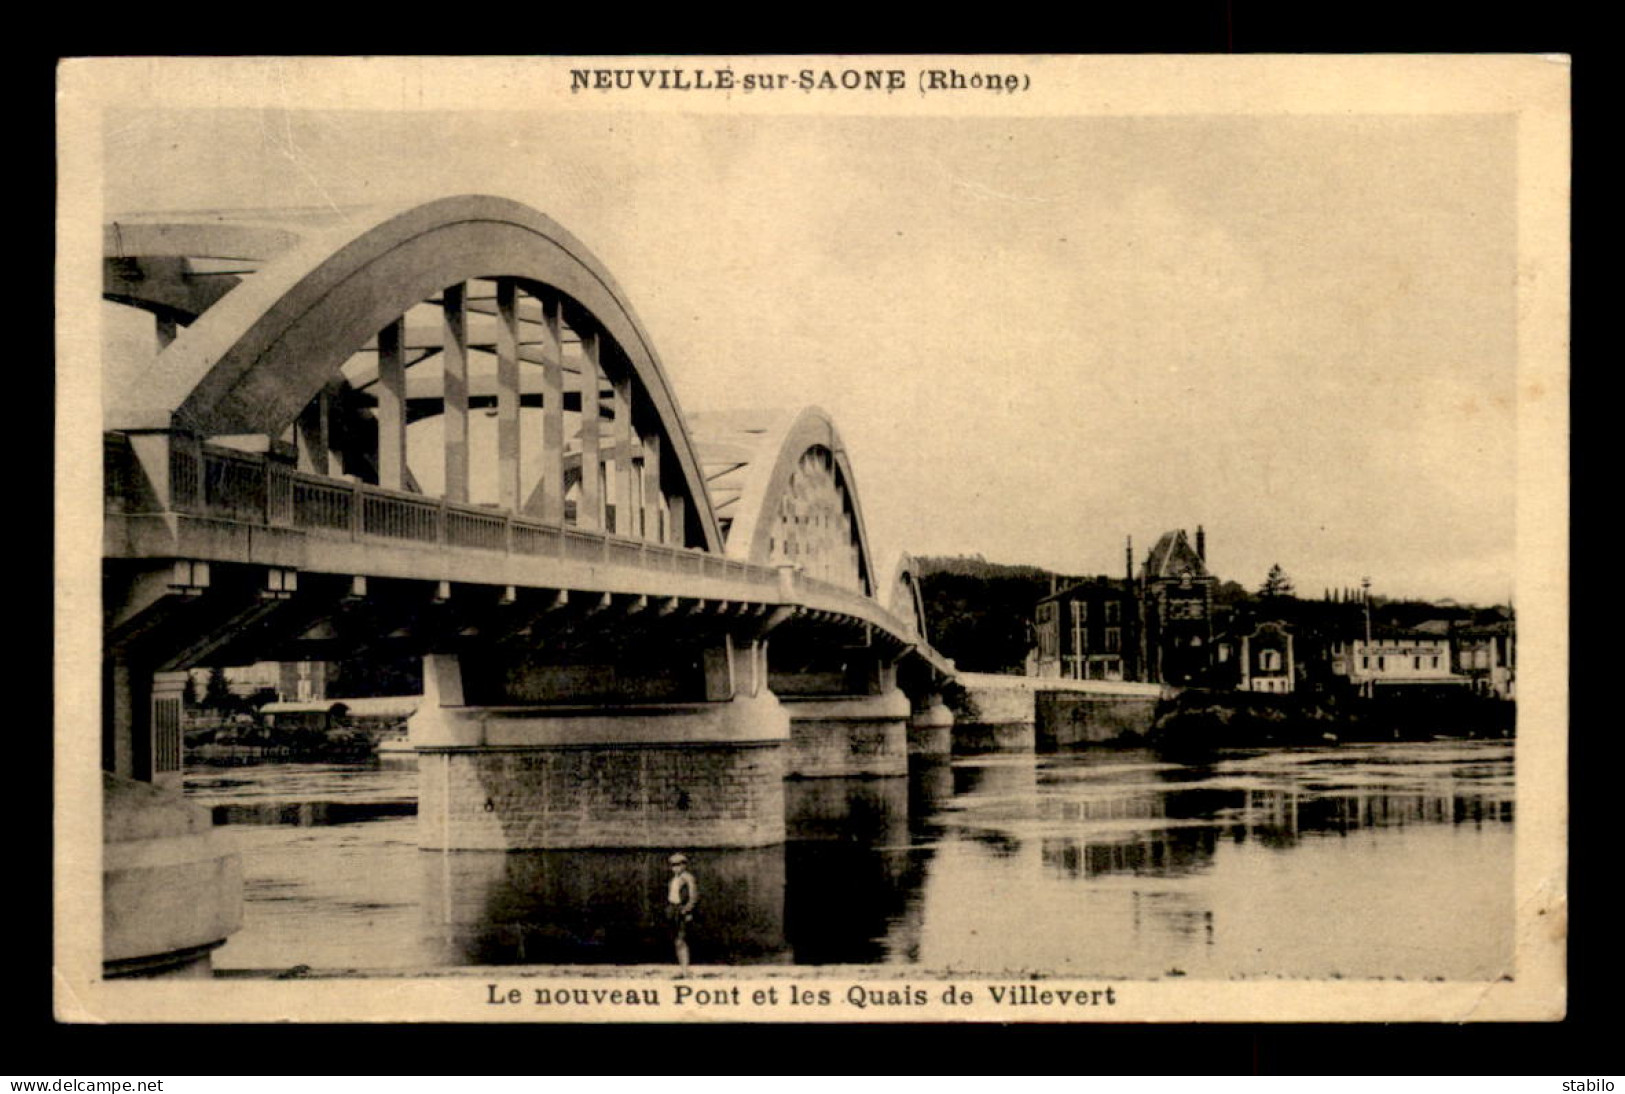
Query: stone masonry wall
{"x": 658, "y": 796}
{"x": 993, "y": 737}
{"x": 822, "y": 747}
{"x": 1070, "y": 718}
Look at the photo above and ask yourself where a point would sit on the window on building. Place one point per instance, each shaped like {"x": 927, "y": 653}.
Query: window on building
{"x": 1080, "y": 611}
{"x": 1435, "y": 663}
{"x": 1365, "y": 662}
{"x": 1416, "y": 662}
{"x": 1269, "y": 661}
{"x": 1382, "y": 664}
{"x": 1114, "y": 611}
{"x": 1114, "y": 639}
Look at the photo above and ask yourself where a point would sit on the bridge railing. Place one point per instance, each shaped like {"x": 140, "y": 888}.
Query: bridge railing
{"x": 225, "y": 484}
{"x": 244, "y": 487}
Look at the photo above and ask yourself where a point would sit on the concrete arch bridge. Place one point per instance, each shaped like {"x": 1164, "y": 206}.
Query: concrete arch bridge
{"x": 442, "y": 432}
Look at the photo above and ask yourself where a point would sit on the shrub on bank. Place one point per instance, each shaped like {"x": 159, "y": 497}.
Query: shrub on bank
{"x": 1197, "y": 718}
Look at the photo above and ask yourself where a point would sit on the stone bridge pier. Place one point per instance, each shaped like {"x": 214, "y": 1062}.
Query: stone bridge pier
{"x": 529, "y": 751}
{"x": 930, "y": 727}
{"x": 930, "y": 721}
{"x": 847, "y": 715}
{"x": 171, "y": 884}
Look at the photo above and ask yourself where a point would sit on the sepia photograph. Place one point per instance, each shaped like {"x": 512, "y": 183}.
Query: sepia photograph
{"x": 810, "y": 539}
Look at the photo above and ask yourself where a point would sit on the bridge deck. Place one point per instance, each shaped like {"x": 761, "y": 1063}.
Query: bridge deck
{"x": 227, "y": 506}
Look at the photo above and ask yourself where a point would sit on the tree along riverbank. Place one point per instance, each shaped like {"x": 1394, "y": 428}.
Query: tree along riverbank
{"x": 1197, "y": 719}
{"x": 230, "y": 745}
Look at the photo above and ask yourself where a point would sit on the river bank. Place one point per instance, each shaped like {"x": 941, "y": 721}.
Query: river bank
{"x": 1197, "y": 718}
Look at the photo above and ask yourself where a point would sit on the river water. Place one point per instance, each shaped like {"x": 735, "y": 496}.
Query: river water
{"x": 1359, "y": 861}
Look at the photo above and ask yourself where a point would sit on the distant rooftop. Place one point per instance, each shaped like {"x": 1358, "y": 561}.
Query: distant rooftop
{"x": 1172, "y": 555}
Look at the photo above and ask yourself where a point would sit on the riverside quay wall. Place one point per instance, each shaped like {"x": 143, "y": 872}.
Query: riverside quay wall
{"x": 1031, "y": 712}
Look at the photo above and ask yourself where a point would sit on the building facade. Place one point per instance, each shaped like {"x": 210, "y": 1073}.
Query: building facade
{"x": 1087, "y": 632}
{"x": 303, "y": 681}
{"x": 1260, "y": 659}
{"x": 1176, "y": 596}
{"x": 1486, "y": 655}
{"x": 1396, "y": 658}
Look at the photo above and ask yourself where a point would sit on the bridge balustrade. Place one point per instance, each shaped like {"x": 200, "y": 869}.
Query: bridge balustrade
{"x": 186, "y": 473}
{"x": 537, "y": 539}
{"x": 482, "y": 531}
{"x": 624, "y": 553}
{"x": 279, "y": 494}
{"x": 315, "y": 504}
{"x": 226, "y": 484}
{"x": 235, "y": 486}
{"x": 820, "y": 585}
{"x": 583, "y": 546}
{"x": 401, "y": 518}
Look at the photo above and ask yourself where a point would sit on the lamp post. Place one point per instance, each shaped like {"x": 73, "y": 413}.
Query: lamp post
{"x": 1365, "y": 597}
{"x": 1078, "y": 672}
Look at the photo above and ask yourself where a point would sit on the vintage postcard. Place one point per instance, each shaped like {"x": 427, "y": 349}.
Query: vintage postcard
{"x": 812, "y": 539}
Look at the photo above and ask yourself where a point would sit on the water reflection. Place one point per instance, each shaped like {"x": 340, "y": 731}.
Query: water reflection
{"x": 1354, "y": 861}
{"x": 590, "y": 907}
{"x": 1374, "y": 861}
{"x": 930, "y": 789}
{"x": 851, "y": 865}
{"x": 994, "y": 798}
{"x": 311, "y": 813}
{"x": 1165, "y": 854}
{"x": 972, "y": 738}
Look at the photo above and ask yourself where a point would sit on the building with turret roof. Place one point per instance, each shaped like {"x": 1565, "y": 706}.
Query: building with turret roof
{"x": 1176, "y": 593}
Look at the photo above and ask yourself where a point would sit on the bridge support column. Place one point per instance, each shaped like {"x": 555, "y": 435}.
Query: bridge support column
{"x": 172, "y": 887}
{"x": 846, "y": 735}
{"x": 631, "y": 774}
{"x": 1002, "y": 714}
{"x": 142, "y": 716}
{"x": 931, "y": 727}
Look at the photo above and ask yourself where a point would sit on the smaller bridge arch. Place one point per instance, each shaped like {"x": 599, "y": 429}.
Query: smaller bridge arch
{"x": 905, "y": 599}
{"x": 783, "y": 488}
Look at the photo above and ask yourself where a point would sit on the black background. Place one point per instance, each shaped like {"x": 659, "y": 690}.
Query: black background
{"x": 1587, "y": 1043}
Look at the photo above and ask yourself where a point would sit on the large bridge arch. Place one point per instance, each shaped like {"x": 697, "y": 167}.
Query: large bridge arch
{"x": 315, "y": 288}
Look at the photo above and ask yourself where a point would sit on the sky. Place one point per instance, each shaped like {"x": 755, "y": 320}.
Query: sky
{"x": 1036, "y": 335}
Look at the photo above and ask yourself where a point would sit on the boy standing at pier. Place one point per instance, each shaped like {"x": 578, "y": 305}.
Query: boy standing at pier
{"x": 681, "y": 895}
